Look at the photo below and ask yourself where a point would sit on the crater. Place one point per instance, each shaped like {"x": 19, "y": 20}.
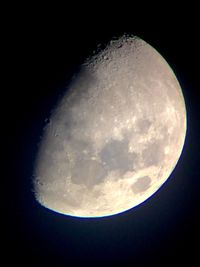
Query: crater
{"x": 116, "y": 156}
{"x": 141, "y": 185}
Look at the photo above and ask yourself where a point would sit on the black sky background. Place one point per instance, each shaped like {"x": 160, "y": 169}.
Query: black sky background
{"x": 44, "y": 53}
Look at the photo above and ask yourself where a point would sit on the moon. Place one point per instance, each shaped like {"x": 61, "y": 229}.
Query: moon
{"x": 116, "y": 135}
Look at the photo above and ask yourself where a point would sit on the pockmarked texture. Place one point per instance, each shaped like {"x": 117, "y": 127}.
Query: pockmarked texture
{"x": 116, "y": 135}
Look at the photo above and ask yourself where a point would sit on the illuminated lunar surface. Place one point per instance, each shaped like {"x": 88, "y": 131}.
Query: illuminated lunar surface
{"x": 115, "y": 136}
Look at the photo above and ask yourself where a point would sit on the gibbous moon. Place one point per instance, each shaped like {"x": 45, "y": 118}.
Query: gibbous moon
{"x": 116, "y": 135}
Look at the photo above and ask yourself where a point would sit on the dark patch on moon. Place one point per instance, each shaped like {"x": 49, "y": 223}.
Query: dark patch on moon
{"x": 80, "y": 150}
{"x": 141, "y": 185}
{"x": 143, "y": 125}
{"x": 71, "y": 123}
{"x": 79, "y": 146}
{"x": 116, "y": 156}
{"x": 88, "y": 172}
{"x": 153, "y": 154}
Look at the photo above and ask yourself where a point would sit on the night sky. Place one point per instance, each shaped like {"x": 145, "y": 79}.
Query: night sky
{"x": 45, "y": 54}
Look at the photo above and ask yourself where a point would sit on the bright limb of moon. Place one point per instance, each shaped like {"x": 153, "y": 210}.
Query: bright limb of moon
{"x": 116, "y": 135}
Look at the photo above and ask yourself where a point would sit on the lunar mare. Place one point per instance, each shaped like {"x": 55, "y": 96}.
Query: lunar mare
{"x": 116, "y": 135}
